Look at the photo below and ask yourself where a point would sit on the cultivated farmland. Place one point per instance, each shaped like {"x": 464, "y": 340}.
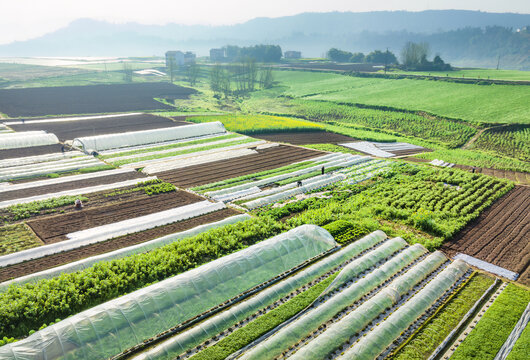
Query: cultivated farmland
{"x": 96, "y": 99}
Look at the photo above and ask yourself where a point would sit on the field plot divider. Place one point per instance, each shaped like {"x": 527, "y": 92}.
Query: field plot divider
{"x": 514, "y": 335}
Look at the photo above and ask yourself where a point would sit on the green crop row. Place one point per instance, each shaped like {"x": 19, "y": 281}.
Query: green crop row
{"x": 451, "y": 133}
{"x": 490, "y": 333}
{"x": 24, "y": 211}
{"x": 15, "y": 238}
{"x": 512, "y": 141}
{"x": 427, "y": 339}
{"x": 26, "y": 307}
{"x": 263, "y": 324}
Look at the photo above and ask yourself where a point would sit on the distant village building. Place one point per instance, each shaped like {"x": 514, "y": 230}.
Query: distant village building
{"x": 217, "y": 54}
{"x": 179, "y": 58}
{"x": 292, "y": 54}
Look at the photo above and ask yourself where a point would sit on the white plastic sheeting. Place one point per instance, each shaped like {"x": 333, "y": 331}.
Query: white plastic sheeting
{"x": 135, "y": 138}
{"x": 181, "y": 148}
{"x": 49, "y": 167}
{"x": 300, "y": 327}
{"x": 484, "y": 265}
{"x": 177, "y": 158}
{"x": 106, "y": 232}
{"x": 313, "y": 184}
{"x": 268, "y": 192}
{"x": 73, "y": 192}
{"x": 341, "y": 331}
{"x": 65, "y": 179}
{"x": 17, "y": 161}
{"x": 156, "y": 145}
{"x": 121, "y": 253}
{"x": 337, "y": 159}
{"x": 25, "y": 139}
{"x": 188, "y": 339}
{"x": 237, "y": 194}
{"x": 382, "y": 335}
{"x": 437, "y": 162}
{"x": 196, "y": 160}
{"x": 368, "y": 148}
{"x": 112, "y": 327}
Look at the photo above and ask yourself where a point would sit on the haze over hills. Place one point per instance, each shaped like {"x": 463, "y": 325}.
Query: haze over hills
{"x": 312, "y": 33}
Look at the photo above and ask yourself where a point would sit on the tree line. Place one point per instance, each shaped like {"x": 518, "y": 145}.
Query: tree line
{"x": 239, "y": 78}
{"x": 260, "y": 53}
{"x": 413, "y": 57}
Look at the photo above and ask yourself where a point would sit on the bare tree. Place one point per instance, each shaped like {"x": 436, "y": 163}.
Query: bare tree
{"x": 192, "y": 73}
{"x": 172, "y": 68}
{"x": 127, "y": 72}
{"x": 413, "y": 53}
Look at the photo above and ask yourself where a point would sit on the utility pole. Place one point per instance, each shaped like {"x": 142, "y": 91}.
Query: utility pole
{"x": 498, "y": 61}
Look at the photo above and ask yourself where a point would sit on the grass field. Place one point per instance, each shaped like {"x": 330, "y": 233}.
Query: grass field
{"x": 445, "y": 132}
{"x": 254, "y": 124}
{"x": 492, "y": 74}
{"x": 480, "y": 104}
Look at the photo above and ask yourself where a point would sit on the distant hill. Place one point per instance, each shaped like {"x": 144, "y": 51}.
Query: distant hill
{"x": 312, "y": 33}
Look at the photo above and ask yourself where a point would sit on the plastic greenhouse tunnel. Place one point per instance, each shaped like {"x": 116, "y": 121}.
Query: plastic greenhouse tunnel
{"x": 307, "y": 322}
{"x": 144, "y": 137}
{"x": 112, "y": 327}
{"x": 382, "y": 335}
{"x": 209, "y": 328}
{"x": 340, "y": 332}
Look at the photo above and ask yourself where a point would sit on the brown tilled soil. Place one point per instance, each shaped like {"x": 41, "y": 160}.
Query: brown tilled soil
{"x": 410, "y": 151}
{"x": 520, "y": 177}
{"x": 54, "y": 229}
{"x": 305, "y": 137}
{"x": 95, "y": 200}
{"x": 266, "y": 159}
{"x": 48, "y": 189}
{"x": 30, "y": 151}
{"x": 48, "y": 262}
{"x": 500, "y": 235}
{"x": 91, "y": 99}
{"x": 69, "y": 130}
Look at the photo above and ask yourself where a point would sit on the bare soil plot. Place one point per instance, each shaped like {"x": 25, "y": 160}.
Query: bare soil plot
{"x": 500, "y": 235}
{"x": 520, "y": 177}
{"x": 305, "y": 137}
{"x": 89, "y": 99}
{"x": 54, "y": 229}
{"x": 75, "y": 184}
{"x": 48, "y": 262}
{"x": 69, "y": 130}
{"x": 266, "y": 159}
{"x": 31, "y": 151}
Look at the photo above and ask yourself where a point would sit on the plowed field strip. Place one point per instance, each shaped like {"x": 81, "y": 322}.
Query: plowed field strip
{"x": 500, "y": 235}
{"x": 221, "y": 170}
{"x": 30, "y": 151}
{"x": 68, "y": 130}
{"x": 49, "y": 189}
{"x": 53, "y": 229}
{"x": 48, "y": 262}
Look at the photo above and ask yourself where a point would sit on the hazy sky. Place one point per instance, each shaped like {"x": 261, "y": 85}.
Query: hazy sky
{"x": 24, "y": 19}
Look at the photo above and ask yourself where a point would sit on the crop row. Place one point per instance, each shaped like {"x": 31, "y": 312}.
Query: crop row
{"x": 256, "y": 124}
{"x": 490, "y": 333}
{"x": 512, "y": 141}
